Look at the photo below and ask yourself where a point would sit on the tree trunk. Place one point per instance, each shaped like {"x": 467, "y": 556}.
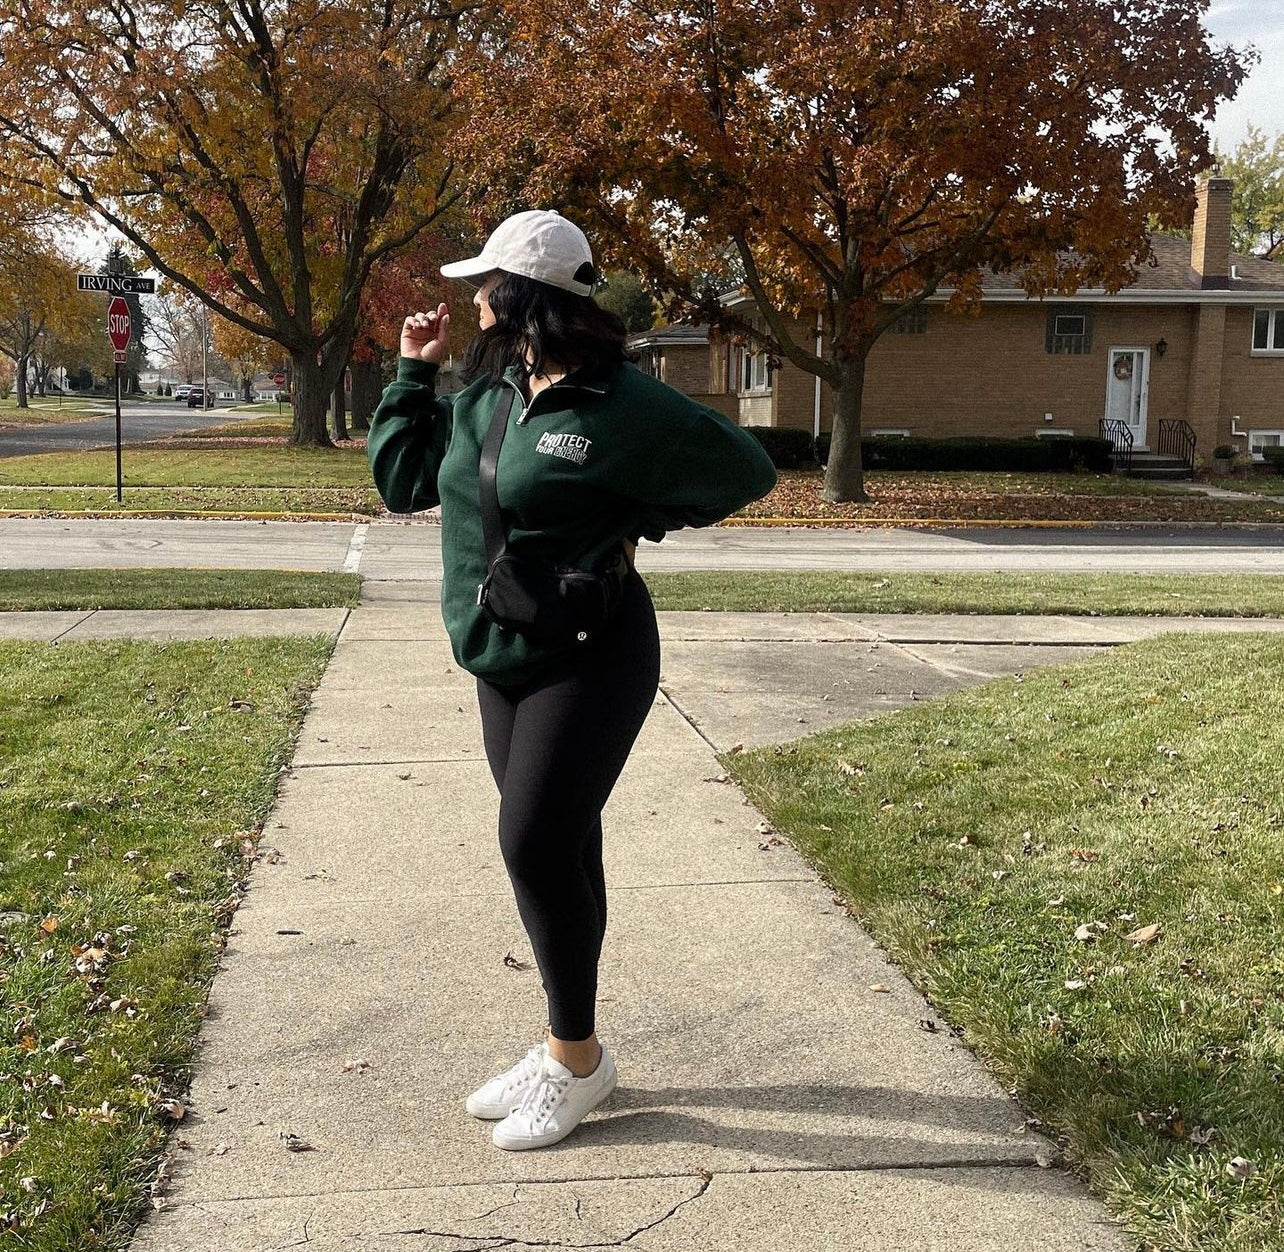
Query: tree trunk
{"x": 365, "y": 393}
{"x": 311, "y": 400}
{"x": 339, "y": 411}
{"x": 844, "y": 475}
{"x": 247, "y": 388}
{"x": 22, "y": 382}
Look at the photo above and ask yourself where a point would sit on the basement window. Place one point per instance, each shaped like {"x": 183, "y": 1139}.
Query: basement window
{"x": 1069, "y": 331}
{"x": 1259, "y": 439}
{"x": 1268, "y": 330}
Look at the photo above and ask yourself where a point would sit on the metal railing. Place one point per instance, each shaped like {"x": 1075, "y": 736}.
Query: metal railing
{"x": 1176, "y": 438}
{"x": 1120, "y": 435}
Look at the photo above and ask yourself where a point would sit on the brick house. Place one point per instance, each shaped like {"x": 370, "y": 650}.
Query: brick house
{"x": 1199, "y": 337}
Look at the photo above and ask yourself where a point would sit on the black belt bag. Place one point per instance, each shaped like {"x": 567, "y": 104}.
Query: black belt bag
{"x": 546, "y": 602}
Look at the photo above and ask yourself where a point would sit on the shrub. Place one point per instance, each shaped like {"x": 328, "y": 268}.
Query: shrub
{"x": 1224, "y": 451}
{"x": 1064, "y": 454}
{"x": 787, "y": 448}
{"x": 1274, "y": 458}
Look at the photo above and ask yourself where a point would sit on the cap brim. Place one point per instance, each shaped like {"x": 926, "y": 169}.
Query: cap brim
{"x": 472, "y": 268}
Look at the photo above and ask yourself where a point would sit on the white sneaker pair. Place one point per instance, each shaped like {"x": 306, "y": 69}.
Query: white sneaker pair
{"x": 539, "y": 1100}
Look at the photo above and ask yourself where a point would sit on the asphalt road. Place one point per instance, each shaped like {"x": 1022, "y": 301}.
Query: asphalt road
{"x": 139, "y": 422}
{"x": 411, "y": 551}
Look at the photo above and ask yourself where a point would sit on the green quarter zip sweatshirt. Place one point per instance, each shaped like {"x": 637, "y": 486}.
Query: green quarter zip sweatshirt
{"x": 594, "y": 459}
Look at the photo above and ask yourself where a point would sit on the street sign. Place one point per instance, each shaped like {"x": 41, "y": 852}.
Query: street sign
{"x": 121, "y": 357}
{"x": 116, "y": 284}
{"x": 279, "y": 379}
{"x": 118, "y": 327}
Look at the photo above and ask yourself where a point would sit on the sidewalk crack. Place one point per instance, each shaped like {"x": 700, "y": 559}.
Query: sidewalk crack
{"x": 476, "y": 1243}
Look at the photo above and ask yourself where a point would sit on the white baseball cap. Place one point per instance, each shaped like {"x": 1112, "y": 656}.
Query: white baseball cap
{"x": 537, "y": 244}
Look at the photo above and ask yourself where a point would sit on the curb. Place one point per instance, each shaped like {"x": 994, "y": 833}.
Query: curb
{"x": 851, "y": 523}
{"x": 184, "y": 514}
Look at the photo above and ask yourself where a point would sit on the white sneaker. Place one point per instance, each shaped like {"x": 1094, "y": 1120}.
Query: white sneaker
{"x": 554, "y": 1104}
{"x": 503, "y": 1093}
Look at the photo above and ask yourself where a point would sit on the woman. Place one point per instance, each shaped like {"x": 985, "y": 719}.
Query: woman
{"x": 595, "y": 454}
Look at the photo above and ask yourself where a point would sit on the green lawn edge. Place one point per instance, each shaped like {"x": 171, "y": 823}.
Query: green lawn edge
{"x": 135, "y": 778}
{"x": 1039, "y": 592}
{"x": 974, "y": 835}
{"x": 24, "y": 590}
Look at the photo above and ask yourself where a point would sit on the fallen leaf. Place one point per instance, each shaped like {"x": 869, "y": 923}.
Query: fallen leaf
{"x": 1146, "y": 934}
{"x": 293, "y": 1143}
{"x": 50, "y": 924}
{"x": 221, "y": 1150}
{"x": 877, "y": 986}
{"x": 175, "y": 1109}
{"x": 356, "y": 1067}
{"x": 1241, "y": 1168}
{"x": 513, "y": 963}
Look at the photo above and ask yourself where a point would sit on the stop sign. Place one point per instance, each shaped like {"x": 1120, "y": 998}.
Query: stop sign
{"x": 279, "y": 379}
{"x": 118, "y": 327}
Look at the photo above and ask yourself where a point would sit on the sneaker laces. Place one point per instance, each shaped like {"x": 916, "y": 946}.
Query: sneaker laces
{"x": 542, "y": 1098}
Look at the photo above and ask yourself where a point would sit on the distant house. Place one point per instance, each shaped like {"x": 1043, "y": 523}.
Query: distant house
{"x": 1198, "y": 337}
{"x": 679, "y": 356}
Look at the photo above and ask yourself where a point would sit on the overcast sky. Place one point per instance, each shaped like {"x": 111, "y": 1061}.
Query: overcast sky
{"x": 1261, "y": 99}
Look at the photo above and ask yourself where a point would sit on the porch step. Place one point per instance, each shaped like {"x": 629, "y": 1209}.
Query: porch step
{"x": 1153, "y": 465}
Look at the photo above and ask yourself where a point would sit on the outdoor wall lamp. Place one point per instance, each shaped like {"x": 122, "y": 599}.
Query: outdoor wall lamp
{"x": 1161, "y": 347}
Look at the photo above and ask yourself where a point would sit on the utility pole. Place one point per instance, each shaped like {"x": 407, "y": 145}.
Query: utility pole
{"x": 205, "y": 338}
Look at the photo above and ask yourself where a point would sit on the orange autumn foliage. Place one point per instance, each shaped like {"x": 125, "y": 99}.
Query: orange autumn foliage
{"x": 847, "y": 157}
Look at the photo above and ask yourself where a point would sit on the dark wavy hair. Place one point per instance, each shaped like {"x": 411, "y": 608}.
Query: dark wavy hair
{"x": 546, "y": 324}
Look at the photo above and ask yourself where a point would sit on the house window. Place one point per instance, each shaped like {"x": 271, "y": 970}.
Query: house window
{"x": 1069, "y": 331}
{"x": 912, "y": 323}
{"x": 1268, "y": 330}
{"x": 753, "y": 367}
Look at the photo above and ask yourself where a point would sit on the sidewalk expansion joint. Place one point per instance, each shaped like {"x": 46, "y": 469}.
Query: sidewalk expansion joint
{"x": 58, "y": 638}
{"x": 686, "y": 717}
{"x": 401, "y": 760}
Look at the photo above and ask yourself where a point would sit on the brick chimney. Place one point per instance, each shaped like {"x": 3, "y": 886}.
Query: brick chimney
{"x": 1210, "y": 241}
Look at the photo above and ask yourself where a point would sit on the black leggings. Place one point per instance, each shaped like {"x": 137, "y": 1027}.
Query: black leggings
{"x": 556, "y": 745}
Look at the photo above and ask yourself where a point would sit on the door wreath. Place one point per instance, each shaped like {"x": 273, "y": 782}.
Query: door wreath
{"x": 1123, "y": 367}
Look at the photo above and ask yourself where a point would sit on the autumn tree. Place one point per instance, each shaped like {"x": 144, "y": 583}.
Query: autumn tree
{"x": 245, "y": 354}
{"x": 41, "y": 311}
{"x": 853, "y": 157}
{"x": 262, "y": 155}
{"x": 1257, "y": 204}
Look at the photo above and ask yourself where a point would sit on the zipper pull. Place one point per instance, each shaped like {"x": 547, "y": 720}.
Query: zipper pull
{"x": 521, "y": 417}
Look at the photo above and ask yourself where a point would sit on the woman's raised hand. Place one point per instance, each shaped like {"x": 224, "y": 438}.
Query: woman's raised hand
{"x": 424, "y": 336}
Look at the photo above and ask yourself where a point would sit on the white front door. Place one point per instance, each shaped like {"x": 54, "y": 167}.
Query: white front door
{"x": 1127, "y": 390}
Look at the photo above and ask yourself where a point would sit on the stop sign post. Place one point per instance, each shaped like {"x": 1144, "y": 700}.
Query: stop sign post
{"x": 119, "y": 329}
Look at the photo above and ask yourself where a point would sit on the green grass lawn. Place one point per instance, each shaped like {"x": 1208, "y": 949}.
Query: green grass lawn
{"x": 46, "y": 411}
{"x": 133, "y": 778}
{"x": 812, "y": 591}
{"x": 214, "y": 467}
{"x": 27, "y": 590}
{"x": 228, "y": 480}
{"x": 1012, "y": 846}
{"x": 1251, "y": 484}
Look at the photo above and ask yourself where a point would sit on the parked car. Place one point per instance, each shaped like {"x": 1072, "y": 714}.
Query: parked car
{"x": 181, "y": 393}
{"x": 197, "y": 399}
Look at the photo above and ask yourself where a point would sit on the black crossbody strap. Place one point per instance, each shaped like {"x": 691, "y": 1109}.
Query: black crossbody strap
{"x": 492, "y": 521}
